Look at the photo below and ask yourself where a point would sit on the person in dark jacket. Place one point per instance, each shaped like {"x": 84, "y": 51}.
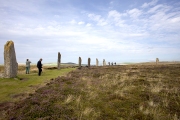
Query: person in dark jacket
{"x": 39, "y": 66}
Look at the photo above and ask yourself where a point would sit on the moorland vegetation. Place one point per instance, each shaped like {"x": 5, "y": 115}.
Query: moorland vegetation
{"x": 128, "y": 92}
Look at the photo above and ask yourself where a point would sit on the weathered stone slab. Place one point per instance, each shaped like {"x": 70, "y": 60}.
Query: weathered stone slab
{"x": 97, "y": 62}
{"x": 104, "y": 62}
{"x": 10, "y": 63}
{"x": 80, "y": 60}
{"x": 59, "y": 61}
{"x": 157, "y": 61}
{"x": 89, "y": 62}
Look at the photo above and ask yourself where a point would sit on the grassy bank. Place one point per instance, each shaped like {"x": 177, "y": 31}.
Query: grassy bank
{"x": 12, "y": 89}
{"x": 129, "y": 92}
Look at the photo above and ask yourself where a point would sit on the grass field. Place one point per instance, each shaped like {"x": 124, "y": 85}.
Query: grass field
{"x": 128, "y": 92}
{"x": 12, "y": 89}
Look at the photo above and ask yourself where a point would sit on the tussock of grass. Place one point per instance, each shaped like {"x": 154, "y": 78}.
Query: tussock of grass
{"x": 143, "y": 92}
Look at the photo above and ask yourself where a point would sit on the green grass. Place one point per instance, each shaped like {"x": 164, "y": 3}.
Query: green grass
{"x": 12, "y": 89}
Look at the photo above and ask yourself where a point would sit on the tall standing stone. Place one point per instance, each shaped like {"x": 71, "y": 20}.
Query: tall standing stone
{"x": 104, "y": 62}
{"x": 10, "y": 63}
{"x": 97, "y": 62}
{"x": 157, "y": 61}
{"x": 59, "y": 60}
{"x": 80, "y": 60}
{"x": 89, "y": 62}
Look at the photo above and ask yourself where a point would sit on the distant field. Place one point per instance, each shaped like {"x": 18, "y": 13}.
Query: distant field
{"x": 126, "y": 92}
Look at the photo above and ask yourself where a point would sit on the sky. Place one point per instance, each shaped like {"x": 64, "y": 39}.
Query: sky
{"x": 115, "y": 30}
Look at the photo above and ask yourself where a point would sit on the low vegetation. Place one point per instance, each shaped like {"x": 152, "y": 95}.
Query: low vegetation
{"x": 13, "y": 89}
{"x": 141, "y": 92}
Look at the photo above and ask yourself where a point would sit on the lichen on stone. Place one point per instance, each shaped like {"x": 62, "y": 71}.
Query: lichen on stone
{"x": 8, "y": 45}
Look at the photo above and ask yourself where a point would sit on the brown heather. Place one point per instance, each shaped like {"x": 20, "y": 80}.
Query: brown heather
{"x": 130, "y": 92}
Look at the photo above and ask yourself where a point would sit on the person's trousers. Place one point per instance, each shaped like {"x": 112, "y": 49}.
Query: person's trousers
{"x": 40, "y": 70}
{"x": 27, "y": 70}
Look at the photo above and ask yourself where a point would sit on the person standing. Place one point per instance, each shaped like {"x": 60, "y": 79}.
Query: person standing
{"x": 27, "y": 66}
{"x": 39, "y": 66}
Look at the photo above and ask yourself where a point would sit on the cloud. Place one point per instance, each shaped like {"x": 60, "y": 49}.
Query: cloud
{"x": 163, "y": 18}
{"x": 159, "y": 8}
{"x": 134, "y": 13}
{"x": 100, "y": 21}
{"x": 175, "y": 20}
{"x": 88, "y": 24}
{"x": 110, "y": 33}
{"x": 152, "y": 3}
{"x": 73, "y": 21}
{"x": 115, "y": 14}
{"x": 117, "y": 17}
{"x": 111, "y": 2}
{"x": 81, "y": 23}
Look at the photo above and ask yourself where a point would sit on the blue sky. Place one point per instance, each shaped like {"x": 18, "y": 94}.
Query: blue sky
{"x": 115, "y": 30}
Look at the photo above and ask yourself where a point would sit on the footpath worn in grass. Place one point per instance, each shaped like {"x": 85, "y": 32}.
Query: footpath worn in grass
{"x": 132, "y": 92}
{"x": 17, "y": 88}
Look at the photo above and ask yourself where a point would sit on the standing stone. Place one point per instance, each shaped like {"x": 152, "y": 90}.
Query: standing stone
{"x": 89, "y": 62}
{"x": 10, "y": 63}
{"x": 80, "y": 60}
{"x": 59, "y": 60}
{"x": 104, "y": 62}
{"x": 157, "y": 61}
{"x": 97, "y": 62}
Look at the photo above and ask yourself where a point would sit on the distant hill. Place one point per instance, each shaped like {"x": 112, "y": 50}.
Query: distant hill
{"x": 68, "y": 63}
